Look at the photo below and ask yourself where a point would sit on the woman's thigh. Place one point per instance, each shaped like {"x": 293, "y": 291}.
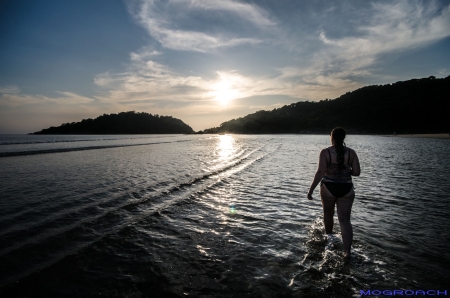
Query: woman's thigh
{"x": 328, "y": 201}
{"x": 344, "y": 205}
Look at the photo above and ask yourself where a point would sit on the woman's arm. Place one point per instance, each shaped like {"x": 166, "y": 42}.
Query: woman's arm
{"x": 356, "y": 170}
{"x": 319, "y": 174}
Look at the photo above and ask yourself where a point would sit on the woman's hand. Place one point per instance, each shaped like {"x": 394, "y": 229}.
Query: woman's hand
{"x": 310, "y": 196}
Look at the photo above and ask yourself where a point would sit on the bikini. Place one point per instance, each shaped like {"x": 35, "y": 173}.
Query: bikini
{"x": 338, "y": 181}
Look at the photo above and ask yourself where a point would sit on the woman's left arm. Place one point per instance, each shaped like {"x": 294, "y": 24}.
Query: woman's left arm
{"x": 356, "y": 169}
{"x": 319, "y": 174}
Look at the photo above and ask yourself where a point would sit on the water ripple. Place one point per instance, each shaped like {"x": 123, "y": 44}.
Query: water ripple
{"x": 219, "y": 216}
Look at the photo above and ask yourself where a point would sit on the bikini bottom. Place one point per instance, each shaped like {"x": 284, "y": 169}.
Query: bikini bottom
{"x": 338, "y": 189}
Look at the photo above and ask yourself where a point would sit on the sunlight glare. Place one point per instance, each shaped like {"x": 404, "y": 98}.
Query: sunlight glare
{"x": 224, "y": 92}
{"x": 225, "y": 146}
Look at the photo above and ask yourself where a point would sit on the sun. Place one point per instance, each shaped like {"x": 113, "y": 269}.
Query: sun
{"x": 224, "y": 92}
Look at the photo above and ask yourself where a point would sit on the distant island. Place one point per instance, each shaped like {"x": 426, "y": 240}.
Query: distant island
{"x": 413, "y": 106}
{"x": 123, "y": 123}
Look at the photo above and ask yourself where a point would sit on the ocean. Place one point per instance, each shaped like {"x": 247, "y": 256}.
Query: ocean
{"x": 216, "y": 216}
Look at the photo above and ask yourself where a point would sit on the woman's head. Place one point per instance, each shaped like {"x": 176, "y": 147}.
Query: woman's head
{"x": 337, "y": 136}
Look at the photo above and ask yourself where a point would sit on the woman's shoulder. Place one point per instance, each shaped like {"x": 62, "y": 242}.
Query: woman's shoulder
{"x": 351, "y": 151}
{"x": 324, "y": 150}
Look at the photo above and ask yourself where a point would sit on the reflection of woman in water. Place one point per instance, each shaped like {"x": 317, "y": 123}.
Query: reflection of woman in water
{"x": 337, "y": 165}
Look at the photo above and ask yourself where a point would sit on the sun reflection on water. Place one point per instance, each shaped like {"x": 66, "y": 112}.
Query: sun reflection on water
{"x": 225, "y": 146}
{"x": 227, "y": 150}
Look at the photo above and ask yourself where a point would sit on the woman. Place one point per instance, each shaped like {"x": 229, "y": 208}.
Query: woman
{"x": 337, "y": 165}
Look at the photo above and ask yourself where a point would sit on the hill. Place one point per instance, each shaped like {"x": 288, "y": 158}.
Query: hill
{"x": 413, "y": 106}
{"x": 122, "y": 123}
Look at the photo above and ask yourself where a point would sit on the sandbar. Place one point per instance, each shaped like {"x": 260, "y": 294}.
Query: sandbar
{"x": 422, "y": 135}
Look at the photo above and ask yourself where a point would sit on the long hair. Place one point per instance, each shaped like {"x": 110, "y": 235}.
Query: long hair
{"x": 338, "y": 135}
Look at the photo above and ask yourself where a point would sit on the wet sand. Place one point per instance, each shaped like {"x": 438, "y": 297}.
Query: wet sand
{"x": 427, "y": 135}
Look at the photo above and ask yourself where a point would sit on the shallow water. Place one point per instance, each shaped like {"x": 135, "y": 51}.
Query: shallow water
{"x": 152, "y": 216}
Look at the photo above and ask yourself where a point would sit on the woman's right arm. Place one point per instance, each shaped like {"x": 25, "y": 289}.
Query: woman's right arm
{"x": 356, "y": 170}
{"x": 319, "y": 173}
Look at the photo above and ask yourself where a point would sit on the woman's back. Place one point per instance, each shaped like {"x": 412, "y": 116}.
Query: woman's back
{"x": 336, "y": 173}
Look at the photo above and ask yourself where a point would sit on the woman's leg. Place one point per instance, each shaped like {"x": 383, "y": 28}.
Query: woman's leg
{"x": 328, "y": 202}
{"x": 344, "y": 208}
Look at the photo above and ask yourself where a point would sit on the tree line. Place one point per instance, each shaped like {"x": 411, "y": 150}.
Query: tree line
{"x": 123, "y": 123}
{"x": 413, "y": 106}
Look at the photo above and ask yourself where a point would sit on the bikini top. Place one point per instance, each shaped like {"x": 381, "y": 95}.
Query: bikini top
{"x": 334, "y": 174}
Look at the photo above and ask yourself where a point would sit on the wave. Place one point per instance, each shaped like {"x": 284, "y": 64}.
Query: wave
{"x": 170, "y": 189}
{"x": 101, "y": 223}
{"x": 53, "y": 141}
{"x": 60, "y": 150}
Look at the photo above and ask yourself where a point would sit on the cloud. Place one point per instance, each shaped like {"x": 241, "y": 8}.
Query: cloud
{"x": 18, "y": 99}
{"x": 24, "y": 113}
{"x": 167, "y": 21}
{"x": 148, "y": 80}
{"x": 148, "y": 83}
{"x": 330, "y": 71}
{"x": 393, "y": 27}
{"x": 9, "y": 89}
{"x": 144, "y": 53}
{"x": 251, "y": 13}
{"x": 443, "y": 72}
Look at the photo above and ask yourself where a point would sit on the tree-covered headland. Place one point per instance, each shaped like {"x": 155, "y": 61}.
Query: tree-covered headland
{"x": 413, "y": 106}
{"x": 123, "y": 123}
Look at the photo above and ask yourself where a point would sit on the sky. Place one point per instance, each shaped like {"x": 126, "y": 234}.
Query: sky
{"x": 205, "y": 61}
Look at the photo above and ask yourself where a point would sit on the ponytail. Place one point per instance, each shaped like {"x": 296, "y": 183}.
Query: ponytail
{"x": 338, "y": 134}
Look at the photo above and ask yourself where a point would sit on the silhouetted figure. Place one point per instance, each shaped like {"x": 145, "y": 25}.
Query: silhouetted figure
{"x": 337, "y": 165}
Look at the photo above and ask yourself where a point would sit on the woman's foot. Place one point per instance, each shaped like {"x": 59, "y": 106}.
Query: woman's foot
{"x": 347, "y": 256}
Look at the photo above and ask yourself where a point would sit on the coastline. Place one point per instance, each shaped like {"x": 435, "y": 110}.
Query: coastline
{"x": 422, "y": 135}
